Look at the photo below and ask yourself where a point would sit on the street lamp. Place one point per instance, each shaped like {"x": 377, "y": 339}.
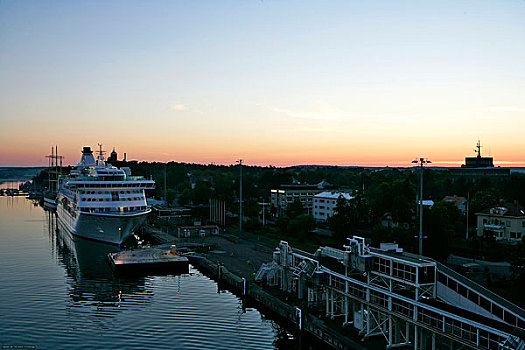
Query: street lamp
{"x": 421, "y": 162}
{"x": 240, "y": 194}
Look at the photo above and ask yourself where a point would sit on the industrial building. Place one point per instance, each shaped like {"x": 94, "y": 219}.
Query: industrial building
{"x": 410, "y": 300}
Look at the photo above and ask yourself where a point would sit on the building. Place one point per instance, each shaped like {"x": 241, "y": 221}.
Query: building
{"x": 325, "y": 203}
{"x": 388, "y": 221}
{"x": 113, "y": 156}
{"x": 411, "y": 301}
{"x": 285, "y": 195}
{"x": 505, "y": 221}
{"x": 478, "y": 161}
{"x": 476, "y": 167}
{"x": 459, "y": 202}
{"x": 196, "y": 178}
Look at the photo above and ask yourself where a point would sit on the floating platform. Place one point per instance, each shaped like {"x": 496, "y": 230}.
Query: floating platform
{"x": 157, "y": 259}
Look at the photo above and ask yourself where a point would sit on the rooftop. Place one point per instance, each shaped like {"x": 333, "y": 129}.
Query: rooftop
{"x": 454, "y": 199}
{"x": 505, "y": 209}
{"x": 334, "y": 195}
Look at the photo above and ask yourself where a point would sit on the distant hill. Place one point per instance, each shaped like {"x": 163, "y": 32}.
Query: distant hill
{"x": 19, "y": 173}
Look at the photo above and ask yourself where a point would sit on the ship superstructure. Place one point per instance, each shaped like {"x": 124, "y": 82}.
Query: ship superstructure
{"x": 101, "y": 202}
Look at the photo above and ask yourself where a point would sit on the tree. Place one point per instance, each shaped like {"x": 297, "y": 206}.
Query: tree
{"x": 481, "y": 200}
{"x": 201, "y": 192}
{"x": 439, "y": 225}
{"x": 300, "y": 225}
{"x": 517, "y": 261}
{"x": 186, "y": 197}
{"x": 342, "y": 223}
{"x": 295, "y": 209}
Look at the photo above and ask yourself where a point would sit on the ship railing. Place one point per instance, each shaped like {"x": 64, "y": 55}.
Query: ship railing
{"x": 106, "y": 179}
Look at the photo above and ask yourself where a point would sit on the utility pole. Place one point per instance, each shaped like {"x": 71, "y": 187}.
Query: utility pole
{"x": 264, "y": 208}
{"x": 240, "y": 194}
{"x": 468, "y": 200}
{"x": 165, "y": 188}
{"x": 421, "y": 162}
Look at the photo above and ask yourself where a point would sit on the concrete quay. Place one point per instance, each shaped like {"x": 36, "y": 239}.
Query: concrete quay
{"x": 292, "y": 315}
{"x": 233, "y": 263}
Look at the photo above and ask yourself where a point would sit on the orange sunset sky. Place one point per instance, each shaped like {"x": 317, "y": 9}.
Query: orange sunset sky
{"x": 370, "y": 83}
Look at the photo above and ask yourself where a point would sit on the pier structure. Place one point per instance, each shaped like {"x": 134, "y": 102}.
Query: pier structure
{"x": 410, "y": 300}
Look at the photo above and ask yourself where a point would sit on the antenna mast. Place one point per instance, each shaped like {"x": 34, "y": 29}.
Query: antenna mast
{"x": 478, "y": 146}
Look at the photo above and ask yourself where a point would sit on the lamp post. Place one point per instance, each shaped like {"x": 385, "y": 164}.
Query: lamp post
{"x": 421, "y": 162}
{"x": 240, "y": 194}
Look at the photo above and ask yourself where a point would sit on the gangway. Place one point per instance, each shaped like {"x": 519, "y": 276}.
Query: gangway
{"x": 410, "y": 300}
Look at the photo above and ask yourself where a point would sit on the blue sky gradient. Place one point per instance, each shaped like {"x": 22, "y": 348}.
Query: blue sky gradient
{"x": 274, "y": 82}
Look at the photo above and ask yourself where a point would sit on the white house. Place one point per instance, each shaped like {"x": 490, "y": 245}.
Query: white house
{"x": 324, "y": 204}
{"x": 505, "y": 221}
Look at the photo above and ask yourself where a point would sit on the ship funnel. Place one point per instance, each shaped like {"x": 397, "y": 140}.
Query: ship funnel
{"x": 87, "y": 159}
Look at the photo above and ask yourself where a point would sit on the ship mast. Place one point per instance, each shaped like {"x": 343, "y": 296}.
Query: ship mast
{"x": 100, "y": 157}
{"x": 54, "y": 168}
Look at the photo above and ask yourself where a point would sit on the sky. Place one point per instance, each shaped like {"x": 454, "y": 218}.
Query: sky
{"x": 369, "y": 83}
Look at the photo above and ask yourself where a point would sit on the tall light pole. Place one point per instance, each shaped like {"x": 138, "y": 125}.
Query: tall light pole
{"x": 240, "y": 194}
{"x": 468, "y": 200}
{"x": 421, "y": 162}
{"x": 165, "y": 188}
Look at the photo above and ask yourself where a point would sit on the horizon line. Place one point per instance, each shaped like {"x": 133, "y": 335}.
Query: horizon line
{"x": 409, "y": 165}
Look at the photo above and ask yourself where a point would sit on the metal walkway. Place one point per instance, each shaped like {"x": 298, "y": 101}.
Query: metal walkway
{"x": 410, "y": 300}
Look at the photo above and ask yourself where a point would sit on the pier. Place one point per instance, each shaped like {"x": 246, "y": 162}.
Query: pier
{"x": 149, "y": 259}
{"x": 289, "y": 314}
{"x": 364, "y": 297}
{"x": 407, "y": 299}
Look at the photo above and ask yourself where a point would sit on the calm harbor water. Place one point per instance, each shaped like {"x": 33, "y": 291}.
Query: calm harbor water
{"x": 59, "y": 293}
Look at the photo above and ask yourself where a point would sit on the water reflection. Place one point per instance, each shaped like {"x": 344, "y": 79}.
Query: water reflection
{"x": 90, "y": 278}
{"x": 60, "y": 293}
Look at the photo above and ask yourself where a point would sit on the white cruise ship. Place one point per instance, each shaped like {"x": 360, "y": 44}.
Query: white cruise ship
{"x": 101, "y": 202}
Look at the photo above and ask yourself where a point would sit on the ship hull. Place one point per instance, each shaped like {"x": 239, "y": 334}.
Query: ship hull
{"x": 113, "y": 229}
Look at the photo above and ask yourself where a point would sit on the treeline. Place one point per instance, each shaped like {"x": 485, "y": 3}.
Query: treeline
{"x": 19, "y": 173}
{"x": 377, "y": 191}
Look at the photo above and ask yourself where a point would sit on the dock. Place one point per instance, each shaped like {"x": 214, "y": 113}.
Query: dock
{"x": 155, "y": 259}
